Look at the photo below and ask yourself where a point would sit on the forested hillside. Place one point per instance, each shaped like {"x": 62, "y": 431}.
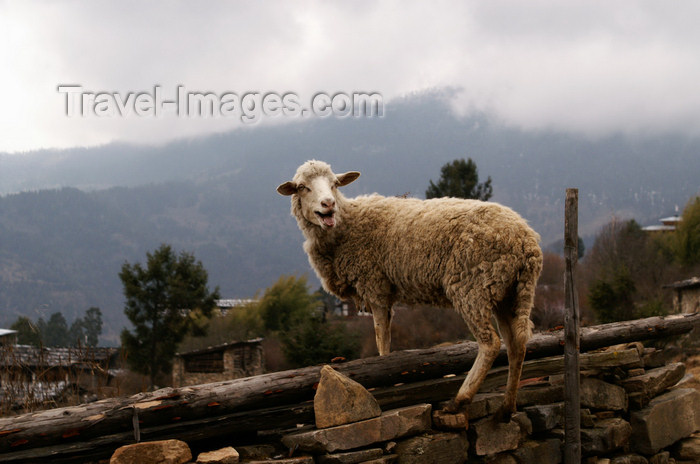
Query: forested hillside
{"x": 61, "y": 249}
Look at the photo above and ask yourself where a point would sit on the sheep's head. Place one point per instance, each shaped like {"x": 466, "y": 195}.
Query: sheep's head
{"x": 314, "y": 193}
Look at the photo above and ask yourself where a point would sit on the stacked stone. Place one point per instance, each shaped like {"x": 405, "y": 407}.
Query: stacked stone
{"x": 170, "y": 452}
{"x": 628, "y": 415}
{"x": 634, "y": 411}
{"x": 351, "y": 428}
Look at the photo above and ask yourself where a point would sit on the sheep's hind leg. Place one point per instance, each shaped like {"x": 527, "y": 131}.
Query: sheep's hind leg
{"x": 516, "y": 357}
{"x": 513, "y": 315}
{"x": 479, "y": 322}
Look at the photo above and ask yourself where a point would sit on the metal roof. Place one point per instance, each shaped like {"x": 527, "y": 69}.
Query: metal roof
{"x": 688, "y": 283}
{"x": 30, "y": 356}
{"x": 667, "y": 224}
{"x": 659, "y": 228}
{"x": 233, "y": 302}
{"x": 221, "y": 347}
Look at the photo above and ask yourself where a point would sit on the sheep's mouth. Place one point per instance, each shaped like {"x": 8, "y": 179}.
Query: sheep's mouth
{"x": 327, "y": 219}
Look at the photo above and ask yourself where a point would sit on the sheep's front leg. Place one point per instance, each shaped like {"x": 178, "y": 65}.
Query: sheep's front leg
{"x": 382, "y": 328}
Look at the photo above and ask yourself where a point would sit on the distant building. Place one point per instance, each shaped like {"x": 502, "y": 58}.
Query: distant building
{"x": 227, "y": 304}
{"x": 29, "y": 374}
{"x": 686, "y": 298}
{"x": 8, "y": 337}
{"x": 668, "y": 224}
{"x": 216, "y": 363}
{"x": 345, "y": 308}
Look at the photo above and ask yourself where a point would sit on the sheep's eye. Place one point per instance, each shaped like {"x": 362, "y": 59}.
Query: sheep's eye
{"x": 301, "y": 188}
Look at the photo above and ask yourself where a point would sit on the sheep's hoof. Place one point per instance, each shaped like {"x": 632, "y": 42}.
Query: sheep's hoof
{"x": 451, "y": 417}
{"x": 503, "y": 415}
{"x": 452, "y": 407}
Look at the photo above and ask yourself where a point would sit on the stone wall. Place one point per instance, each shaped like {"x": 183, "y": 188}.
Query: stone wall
{"x": 238, "y": 360}
{"x": 688, "y": 300}
{"x": 686, "y": 295}
{"x": 639, "y": 412}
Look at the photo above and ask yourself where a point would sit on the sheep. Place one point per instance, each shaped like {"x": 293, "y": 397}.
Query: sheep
{"x": 480, "y": 258}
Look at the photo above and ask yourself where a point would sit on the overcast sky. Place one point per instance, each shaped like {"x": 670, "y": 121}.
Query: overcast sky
{"x": 587, "y": 67}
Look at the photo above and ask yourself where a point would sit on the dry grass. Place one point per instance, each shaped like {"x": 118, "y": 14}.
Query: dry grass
{"x": 415, "y": 327}
{"x": 274, "y": 356}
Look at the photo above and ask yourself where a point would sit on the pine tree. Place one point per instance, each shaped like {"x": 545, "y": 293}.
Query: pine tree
{"x": 164, "y": 301}
{"x": 460, "y": 179}
{"x": 27, "y": 331}
{"x": 76, "y": 333}
{"x": 92, "y": 324}
{"x": 56, "y": 331}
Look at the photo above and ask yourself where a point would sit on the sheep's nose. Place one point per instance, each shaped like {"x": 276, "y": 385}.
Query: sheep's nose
{"x": 328, "y": 203}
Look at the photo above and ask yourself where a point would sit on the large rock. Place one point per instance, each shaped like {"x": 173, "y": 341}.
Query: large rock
{"x": 340, "y": 400}
{"x": 608, "y": 435}
{"x": 503, "y": 458}
{"x": 390, "y": 425}
{"x": 153, "y": 452}
{"x": 259, "y": 452}
{"x": 667, "y": 419}
{"x": 663, "y": 457}
{"x": 524, "y": 423}
{"x": 546, "y": 417}
{"x": 643, "y": 388}
{"x": 687, "y": 449}
{"x": 484, "y": 404}
{"x": 629, "y": 459}
{"x": 488, "y": 436}
{"x": 657, "y": 358}
{"x": 297, "y": 460}
{"x": 226, "y": 455}
{"x": 443, "y": 420}
{"x": 596, "y": 394}
{"x": 540, "y": 395}
{"x": 533, "y": 452}
{"x": 388, "y": 459}
{"x": 352, "y": 457}
{"x": 437, "y": 448}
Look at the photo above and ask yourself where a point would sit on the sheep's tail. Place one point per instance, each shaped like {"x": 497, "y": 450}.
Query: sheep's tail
{"x": 525, "y": 293}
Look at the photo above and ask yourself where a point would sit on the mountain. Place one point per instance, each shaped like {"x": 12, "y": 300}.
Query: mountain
{"x": 70, "y": 218}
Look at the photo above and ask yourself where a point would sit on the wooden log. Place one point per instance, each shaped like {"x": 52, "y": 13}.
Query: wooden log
{"x": 237, "y": 424}
{"x": 170, "y": 407}
{"x": 434, "y": 391}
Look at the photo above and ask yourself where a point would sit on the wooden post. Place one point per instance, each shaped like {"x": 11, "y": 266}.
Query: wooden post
{"x": 572, "y": 336}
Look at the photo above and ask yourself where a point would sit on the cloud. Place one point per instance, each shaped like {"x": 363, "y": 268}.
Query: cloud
{"x": 629, "y": 70}
{"x": 592, "y": 68}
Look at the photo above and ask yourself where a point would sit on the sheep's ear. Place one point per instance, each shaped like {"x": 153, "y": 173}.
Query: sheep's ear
{"x": 347, "y": 177}
{"x": 288, "y": 188}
